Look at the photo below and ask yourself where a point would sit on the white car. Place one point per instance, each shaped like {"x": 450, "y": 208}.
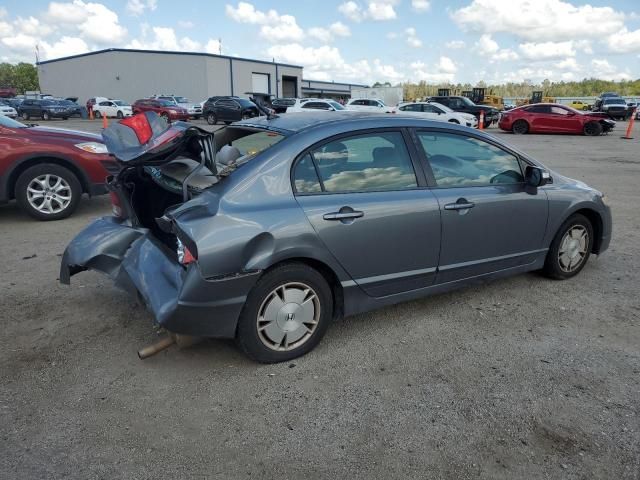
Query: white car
{"x": 368, "y": 105}
{"x": 8, "y": 111}
{"x": 438, "y": 112}
{"x": 112, "y": 108}
{"x": 193, "y": 109}
{"x": 311, "y": 104}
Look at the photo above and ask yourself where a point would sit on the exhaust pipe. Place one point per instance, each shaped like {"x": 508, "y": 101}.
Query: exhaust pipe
{"x": 164, "y": 343}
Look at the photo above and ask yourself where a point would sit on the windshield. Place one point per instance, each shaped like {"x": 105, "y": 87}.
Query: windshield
{"x": 255, "y": 143}
{"x": 182, "y": 99}
{"x": 615, "y": 101}
{"x": 337, "y": 106}
{"x": 121, "y": 103}
{"x": 49, "y": 102}
{"x": 9, "y": 123}
{"x": 444, "y": 108}
{"x": 166, "y": 103}
{"x": 467, "y": 102}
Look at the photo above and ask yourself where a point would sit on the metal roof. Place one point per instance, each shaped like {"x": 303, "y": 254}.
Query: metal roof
{"x": 133, "y": 50}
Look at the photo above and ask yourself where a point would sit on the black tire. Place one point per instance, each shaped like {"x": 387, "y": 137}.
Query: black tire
{"x": 97, "y": 114}
{"x": 453, "y": 120}
{"x": 119, "y": 114}
{"x": 247, "y": 336}
{"x": 24, "y": 115}
{"x": 46, "y": 116}
{"x": 592, "y": 129}
{"x": 196, "y": 117}
{"x": 166, "y": 117}
{"x": 32, "y": 173}
{"x": 211, "y": 118}
{"x": 65, "y": 118}
{"x": 520, "y": 127}
{"x": 226, "y": 122}
{"x": 552, "y": 265}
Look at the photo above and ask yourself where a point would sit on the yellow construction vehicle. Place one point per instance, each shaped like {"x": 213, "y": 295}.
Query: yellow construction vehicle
{"x": 480, "y": 97}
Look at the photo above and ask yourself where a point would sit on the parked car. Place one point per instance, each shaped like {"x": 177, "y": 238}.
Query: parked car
{"x": 72, "y": 107}
{"x": 368, "y": 105}
{"x": 303, "y": 218}
{"x": 113, "y": 108}
{"x": 228, "y": 110}
{"x": 7, "y": 110}
{"x": 554, "y": 118}
{"x": 194, "y": 109}
{"x": 615, "y": 107}
{"x": 165, "y": 108}
{"x": 46, "y": 170}
{"x": 280, "y": 105}
{"x": 306, "y": 105}
{"x": 46, "y": 109}
{"x": 465, "y": 105}
{"x": 580, "y": 105}
{"x": 437, "y": 112}
{"x": 93, "y": 100}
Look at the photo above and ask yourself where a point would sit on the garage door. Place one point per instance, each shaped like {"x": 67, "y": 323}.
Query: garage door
{"x": 260, "y": 82}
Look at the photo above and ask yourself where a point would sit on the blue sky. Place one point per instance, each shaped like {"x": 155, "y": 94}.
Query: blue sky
{"x": 351, "y": 40}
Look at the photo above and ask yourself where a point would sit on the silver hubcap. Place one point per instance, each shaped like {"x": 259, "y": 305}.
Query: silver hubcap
{"x": 573, "y": 248}
{"x": 49, "y": 194}
{"x": 288, "y": 316}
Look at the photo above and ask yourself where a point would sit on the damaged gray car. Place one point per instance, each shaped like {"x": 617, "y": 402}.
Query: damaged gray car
{"x": 270, "y": 228}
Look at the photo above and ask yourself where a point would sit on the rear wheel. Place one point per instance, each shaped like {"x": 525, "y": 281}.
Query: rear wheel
{"x": 286, "y": 314}
{"x": 25, "y": 116}
{"x": 211, "y": 118}
{"x": 48, "y": 191}
{"x": 520, "y": 127}
{"x": 46, "y": 116}
{"x": 592, "y": 129}
{"x": 570, "y": 248}
{"x": 97, "y": 114}
{"x": 166, "y": 117}
{"x": 119, "y": 114}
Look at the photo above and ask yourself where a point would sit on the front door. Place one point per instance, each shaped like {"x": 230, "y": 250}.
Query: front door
{"x": 490, "y": 221}
{"x": 367, "y": 207}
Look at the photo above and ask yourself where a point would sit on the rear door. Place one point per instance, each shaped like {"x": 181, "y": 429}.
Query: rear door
{"x": 373, "y": 212}
{"x": 490, "y": 220}
{"x": 540, "y": 118}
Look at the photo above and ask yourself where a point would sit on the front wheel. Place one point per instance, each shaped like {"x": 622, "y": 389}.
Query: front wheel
{"x": 119, "y": 114}
{"x": 286, "y": 314}
{"x": 97, "y": 114}
{"x": 520, "y": 127}
{"x": 48, "y": 191}
{"x": 25, "y": 116}
{"x": 592, "y": 129}
{"x": 46, "y": 116}
{"x": 570, "y": 248}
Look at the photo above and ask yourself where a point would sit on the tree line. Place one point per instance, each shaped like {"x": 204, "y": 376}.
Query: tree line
{"x": 23, "y": 76}
{"x": 589, "y": 87}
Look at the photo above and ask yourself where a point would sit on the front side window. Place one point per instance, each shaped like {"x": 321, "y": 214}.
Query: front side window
{"x": 371, "y": 162}
{"x": 559, "y": 111}
{"x": 413, "y": 107}
{"x": 460, "y": 161}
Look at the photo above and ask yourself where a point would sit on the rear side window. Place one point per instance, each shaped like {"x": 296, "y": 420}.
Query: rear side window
{"x": 305, "y": 177}
{"x": 371, "y": 162}
{"x": 460, "y": 161}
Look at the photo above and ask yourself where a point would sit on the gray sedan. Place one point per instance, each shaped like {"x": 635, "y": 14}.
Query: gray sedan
{"x": 273, "y": 227}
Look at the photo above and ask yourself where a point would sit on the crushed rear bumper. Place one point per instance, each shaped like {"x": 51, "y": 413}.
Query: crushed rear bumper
{"x": 180, "y": 298}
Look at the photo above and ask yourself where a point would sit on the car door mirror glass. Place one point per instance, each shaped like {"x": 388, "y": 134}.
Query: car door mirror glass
{"x": 536, "y": 176}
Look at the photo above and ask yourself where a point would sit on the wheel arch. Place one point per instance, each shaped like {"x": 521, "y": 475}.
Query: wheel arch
{"x": 596, "y": 222}
{"x": 7, "y": 190}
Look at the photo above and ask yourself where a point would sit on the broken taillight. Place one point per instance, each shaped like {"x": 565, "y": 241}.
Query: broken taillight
{"x": 140, "y": 125}
{"x": 185, "y": 257}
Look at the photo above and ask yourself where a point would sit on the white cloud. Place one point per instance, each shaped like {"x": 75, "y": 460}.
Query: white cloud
{"x": 6, "y": 29}
{"x": 21, "y": 43}
{"x": 412, "y": 39}
{"x": 93, "y": 21}
{"x": 604, "y": 70}
{"x": 442, "y": 72}
{"x": 455, "y": 44}
{"x": 33, "y": 26}
{"x": 488, "y": 47}
{"x": 547, "y": 50}
{"x": 568, "y": 64}
{"x": 624, "y": 41}
{"x": 327, "y": 35}
{"x": 339, "y": 29}
{"x": 138, "y": 7}
{"x": 165, "y": 38}
{"x": 420, "y": 5}
{"x": 64, "y": 47}
{"x": 446, "y": 65}
{"x": 375, "y": 10}
{"x": 539, "y": 20}
{"x": 275, "y": 27}
{"x": 213, "y": 46}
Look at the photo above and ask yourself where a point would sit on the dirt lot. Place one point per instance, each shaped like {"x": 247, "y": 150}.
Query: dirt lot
{"x": 522, "y": 378}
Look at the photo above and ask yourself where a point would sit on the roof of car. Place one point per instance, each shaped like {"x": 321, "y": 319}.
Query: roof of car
{"x": 290, "y": 123}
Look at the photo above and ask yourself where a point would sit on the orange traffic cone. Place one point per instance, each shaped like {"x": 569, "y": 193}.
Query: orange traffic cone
{"x": 105, "y": 122}
{"x": 91, "y": 114}
{"x": 481, "y": 121}
{"x": 627, "y": 135}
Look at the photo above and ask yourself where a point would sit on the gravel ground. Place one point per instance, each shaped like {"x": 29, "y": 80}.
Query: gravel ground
{"x": 521, "y": 378}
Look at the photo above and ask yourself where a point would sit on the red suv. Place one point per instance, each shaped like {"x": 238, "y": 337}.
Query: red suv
{"x": 166, "y": 109}
{"x": 46, "y": 170}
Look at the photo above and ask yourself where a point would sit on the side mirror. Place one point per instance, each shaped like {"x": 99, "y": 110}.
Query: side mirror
{"x": 536, "y": 176}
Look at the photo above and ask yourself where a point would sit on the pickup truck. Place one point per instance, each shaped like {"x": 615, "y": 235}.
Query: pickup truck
{"x": 464, "y": 105}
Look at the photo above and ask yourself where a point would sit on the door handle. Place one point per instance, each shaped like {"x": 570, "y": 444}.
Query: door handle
{"x": 343, "y": 215}
{"x": 461, "y": 204}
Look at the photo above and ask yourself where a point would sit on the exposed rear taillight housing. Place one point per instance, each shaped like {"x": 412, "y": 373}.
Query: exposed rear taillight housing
{"x": 116, "y": 205}
{"x": 185, "y": 257}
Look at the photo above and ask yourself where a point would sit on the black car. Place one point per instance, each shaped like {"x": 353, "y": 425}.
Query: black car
{"x": 280, "y": 105}
{"x": 463, "y": 104}
{"x": 228, "y": 109}
{"x": 44, "y": 109}
{"x": 73, "y": 108}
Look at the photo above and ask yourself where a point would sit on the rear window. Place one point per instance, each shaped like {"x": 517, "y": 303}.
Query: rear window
{"x": 255, "y": 143}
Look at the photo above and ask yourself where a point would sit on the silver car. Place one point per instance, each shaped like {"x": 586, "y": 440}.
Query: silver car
{"x": 274, "y": 226}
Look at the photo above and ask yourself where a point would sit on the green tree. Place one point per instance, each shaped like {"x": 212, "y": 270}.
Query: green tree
{"x": 23, "y": 76}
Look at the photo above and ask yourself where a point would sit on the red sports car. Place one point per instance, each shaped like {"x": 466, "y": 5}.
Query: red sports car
{"x": 47, "y": 170}
{"x": 554, "y": 118}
